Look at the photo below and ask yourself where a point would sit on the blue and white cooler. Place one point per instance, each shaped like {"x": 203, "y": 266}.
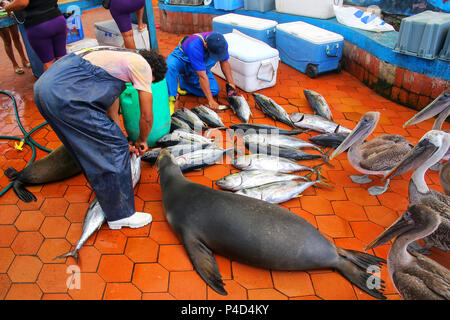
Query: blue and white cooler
{"x": 254, "y": 64}
{"x": 261, "y": 29}
{"x": 309, "y": 49}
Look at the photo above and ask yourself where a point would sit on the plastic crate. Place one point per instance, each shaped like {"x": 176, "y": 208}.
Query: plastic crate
{"x": 228, "y": 4}
{"x": 259, "y": 5}
{"x": 129, "y": 105}
{"x": 321, "y": 9}
{"x": 423, "y": 34}
{"x": 107, "y": 33}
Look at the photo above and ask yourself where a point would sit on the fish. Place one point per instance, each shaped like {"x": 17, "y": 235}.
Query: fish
{"x": 317, "y": 123}
{"x": 200, "y": 158}
{"x": 208, "y": 116}
{"x": 268, "y": 162}
{"x": 176, "y": 150}
{"x": 181, "y": 137}
{"x": 240, "y": 107}
{"x": 318, "y": 104}
{"x": 95, "y": 217}
{"x": 278, "y": 192}
{"x": 264, "y": 128}
{"x": 280, "y": 151}
{"x": 280, "y": 140}
{"x": 191, "y": 119}
{"x": 178, "y": 124}
{"x": 331, "y": 140}
{"x": 253, "y": 178}
{"x": 272, "y": 109}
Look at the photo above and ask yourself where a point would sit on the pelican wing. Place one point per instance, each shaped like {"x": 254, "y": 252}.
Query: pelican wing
{"x": 384, "y": 152}
{"x": 436, "y": 277}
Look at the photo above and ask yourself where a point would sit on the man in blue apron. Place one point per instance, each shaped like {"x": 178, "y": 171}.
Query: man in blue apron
{"x": 189, "y": 67}
{"x": 77, "y": 96}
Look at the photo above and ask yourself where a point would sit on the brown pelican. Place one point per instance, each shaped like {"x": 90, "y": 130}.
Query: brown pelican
{"x": 428, "y": 151}
{"x": 441, "y": 107}
{"x": 415, "y": 276}
{"x": 374, "y": 157}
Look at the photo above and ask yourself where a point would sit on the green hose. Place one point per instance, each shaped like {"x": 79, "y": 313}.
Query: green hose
{"x": 26, "y": 138}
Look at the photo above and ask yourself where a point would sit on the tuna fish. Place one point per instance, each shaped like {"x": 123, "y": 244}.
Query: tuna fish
{"x": 209, "y": 117}
{"x": 280, "y": 151}
{"x": 278, "y": 192}
{"x": 240, "y": 107}
{"x": 254, "y": 178}
{"x": 178, "y": 124}
{"x": 95, "y": 217}
{"x": 317, "y": 123}
{"x": 331, "y": 140}
{"x": 182, "y": 137}
{"x": 263, "y": 128}
{"x": 272, "y": 109}
{"x": 268, "y": 162}
{"x": 176, "y": 150}
{"x": 280, "y": 140}
{"x": 199, "y": 158}
{"x": 318, "y": 104}
{"x": 191, "y": 119}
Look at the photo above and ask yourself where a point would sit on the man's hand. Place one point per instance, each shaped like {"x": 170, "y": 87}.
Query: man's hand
{"x": 139, "y": 148}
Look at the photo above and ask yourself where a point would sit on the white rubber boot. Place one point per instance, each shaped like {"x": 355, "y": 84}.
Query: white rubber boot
{"x": 137, "y": 220}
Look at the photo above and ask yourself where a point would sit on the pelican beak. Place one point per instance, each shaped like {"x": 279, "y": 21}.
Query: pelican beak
{"x": 413, "y": 159}
{"x": 362, "y": 130}
{"x": 397, "y": 228}
{"x": 440, "y": 104}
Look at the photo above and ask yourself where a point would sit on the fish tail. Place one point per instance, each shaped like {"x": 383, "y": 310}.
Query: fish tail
{"x": 73, "y": 253}
{"x": 321, "y": 179}
{"x": 357, "y": 267}
{"x": 326, "y": 158}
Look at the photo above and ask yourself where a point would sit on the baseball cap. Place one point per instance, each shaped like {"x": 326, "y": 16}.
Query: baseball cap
{"x": 217, "y": 46}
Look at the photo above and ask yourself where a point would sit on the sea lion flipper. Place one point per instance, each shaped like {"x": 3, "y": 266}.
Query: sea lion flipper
{"x": 204, "y": 263}
{"x": 22, "y": 192}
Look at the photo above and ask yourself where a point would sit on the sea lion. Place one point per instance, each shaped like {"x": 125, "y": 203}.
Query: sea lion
{"x": 57, "y": 165}
{"x": 252, "y": 232}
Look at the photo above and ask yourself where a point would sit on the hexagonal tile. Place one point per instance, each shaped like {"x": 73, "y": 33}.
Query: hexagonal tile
{"x": 316, "y": 205}
{"x": 52, "y": 248}
{"x": 54, "y": 227}
{"x": 265, "y": 294}
{"x": 54, "y": 207}
{"x": 24, "y": 269}
{"x": 196, "y": 290}
{"x": 92, "y": 287}
{"x": 349, "y": 211}
{"x": 142, "y": 250}
{"x": 8, "y": 233}
{"x": 150, "y": 277}
{"x": 334, "y": 226}
{"x": 24, "y": 291}
{"x": 110, "y": 241}
{"x": 53, "y": 278}
{"x": 77, "y": 194}
{"x": 121, "y": 291}
{"x": 6, "y": 257}
{"x": 162, "y": 233}
{"x": 29, "y": 221}
{"x": 381, "y": 215}
{"x": 251, "y": 277}
{"x": 27, "y": 243}
{"x": 366, "y": 231}
{"x": 174, "y": 258}
{"x": 115, "y": 268}
{"x": 293, "y": 284}
{"x": 234, "y": 292}
{"x": 76, "y": 212}
{"x": 9, "y": 213}
{"x": 332, "y": 286}
{"x": 155, "y": 208}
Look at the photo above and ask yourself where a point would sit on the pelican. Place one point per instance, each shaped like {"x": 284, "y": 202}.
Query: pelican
{"x": 441, "y": 107}
{"x": 375, "y": 157}
{"x": 416, "y": 277}
{"x": 428, "y": 151}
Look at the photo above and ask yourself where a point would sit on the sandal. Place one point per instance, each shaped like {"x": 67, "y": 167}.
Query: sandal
{"x": 19, "y": 70}
{"x": 27, "y": 65}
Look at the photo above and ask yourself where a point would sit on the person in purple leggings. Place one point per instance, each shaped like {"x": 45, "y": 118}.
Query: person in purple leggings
{"x": 120, "y": 11}
{"x": 45, "y": 26}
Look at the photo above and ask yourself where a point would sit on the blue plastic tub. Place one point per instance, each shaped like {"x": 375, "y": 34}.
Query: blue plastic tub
{"x": 74, "y": 29}
{"x": 259, "y": 5}
{"x": 261, "y": 29}
{"x": 228, "y": 4}
{"x": 309, "y": 49}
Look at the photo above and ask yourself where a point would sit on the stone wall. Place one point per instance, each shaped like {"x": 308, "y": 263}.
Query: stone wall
{"x": 185, "y": 22}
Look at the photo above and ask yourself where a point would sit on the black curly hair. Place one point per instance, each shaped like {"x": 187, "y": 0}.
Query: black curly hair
{"x": 157, "y": 62}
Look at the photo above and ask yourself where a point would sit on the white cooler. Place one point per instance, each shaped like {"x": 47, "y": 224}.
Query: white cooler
{"x": 81, "y": 44}
{"x": 321, "y": 9}
{"x": 108, "y": 34}
{"x": 254, "y": 64}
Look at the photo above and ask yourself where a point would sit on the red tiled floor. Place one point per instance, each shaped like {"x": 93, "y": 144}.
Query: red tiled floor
{"x": 150, "y": 262}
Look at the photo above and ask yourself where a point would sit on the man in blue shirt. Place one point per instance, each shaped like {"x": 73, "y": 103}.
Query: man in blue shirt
{"x": 189, "y": 67}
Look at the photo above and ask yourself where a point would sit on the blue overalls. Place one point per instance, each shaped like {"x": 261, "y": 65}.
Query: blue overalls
{"x": 73, "y": 96}
{"x": 180, "y": 72}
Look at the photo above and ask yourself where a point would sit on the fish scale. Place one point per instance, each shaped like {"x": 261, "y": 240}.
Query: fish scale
{"x": 272, "y": 109}
{"x": 207, "y": 115}
{"x": 240, "y": 107}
